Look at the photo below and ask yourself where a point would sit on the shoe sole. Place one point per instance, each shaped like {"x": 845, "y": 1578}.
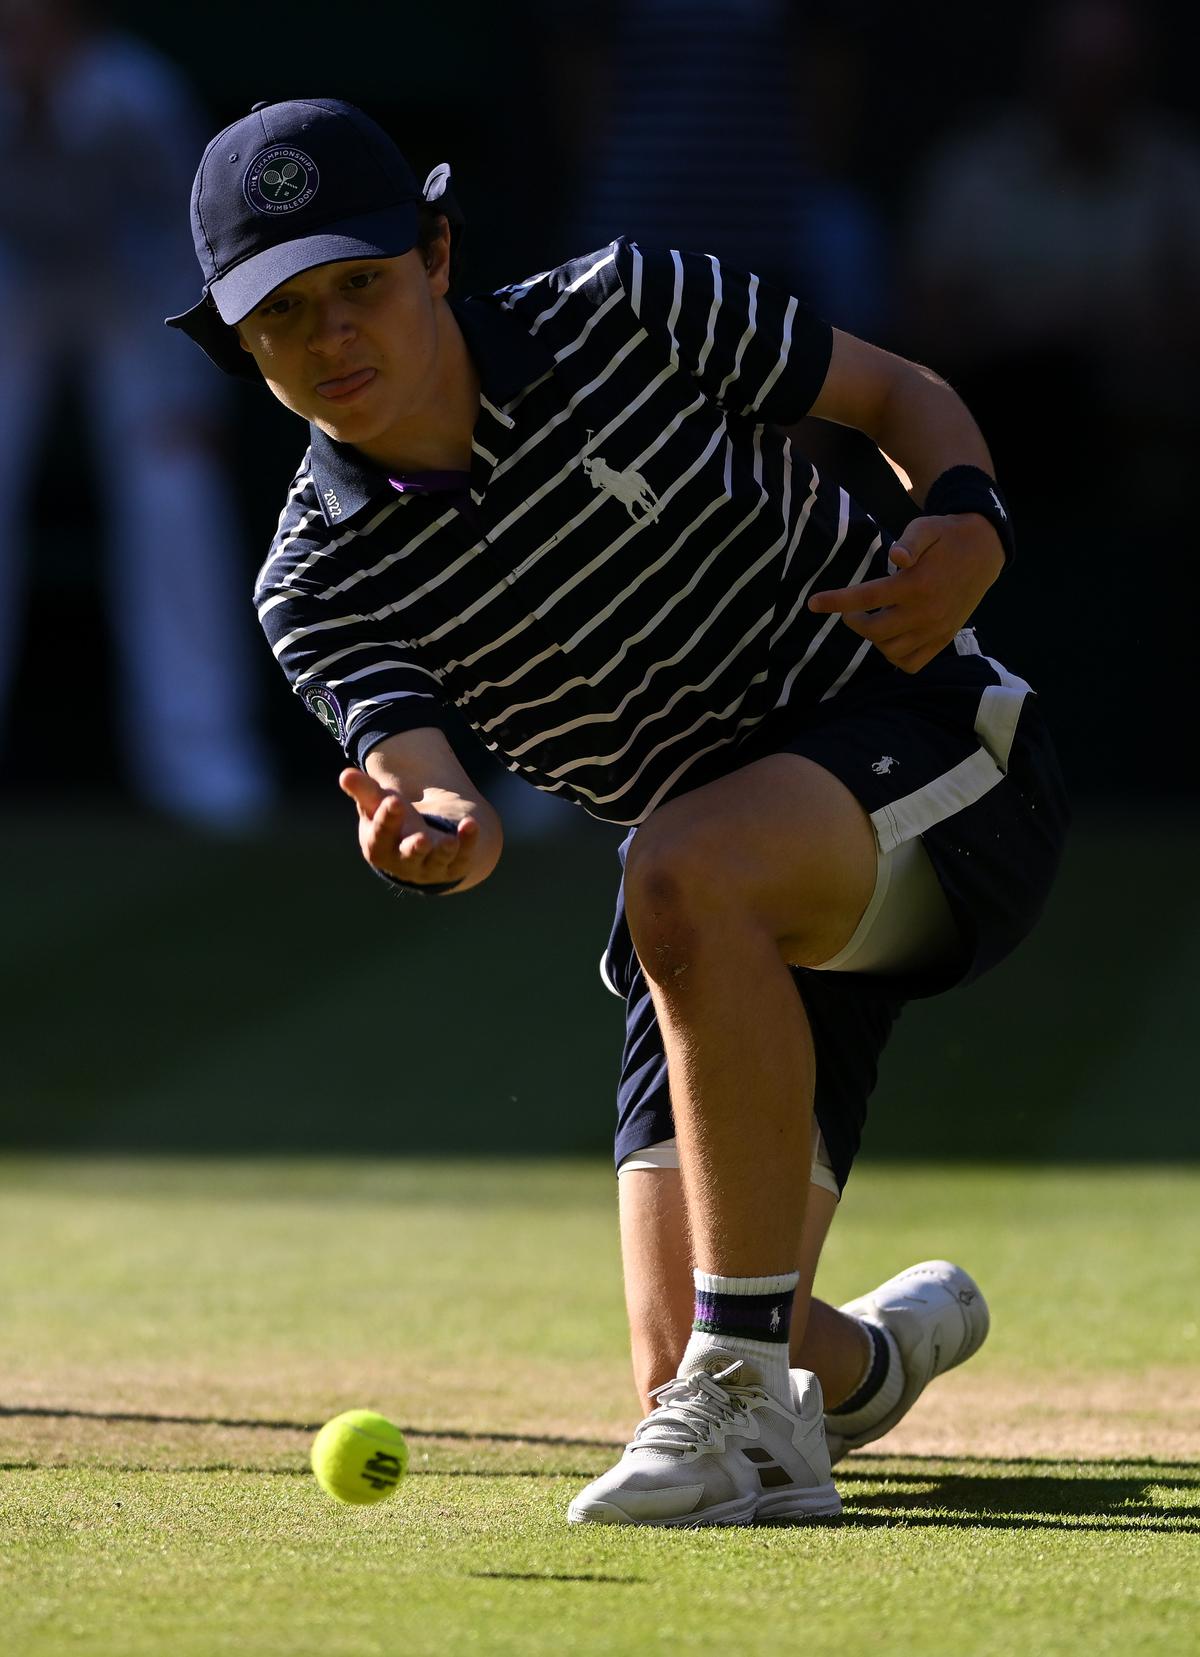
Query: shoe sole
{"x": 820, "y": 1502}
{"x": 739, "y": 1512}
{"x": 928, "y": 1357}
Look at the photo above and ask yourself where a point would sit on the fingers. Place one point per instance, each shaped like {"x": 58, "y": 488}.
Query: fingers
{"x": 443, "y": 856}
{"x": 880, "y": 626}
{"x": 942, "y": 567}
{"x": 905, "y": 649}
{"x": 362, "y": 789}
{"x": 384, "y": 831}
{"x": 900, "y": 637}
{"x": 398, "y": 841}
{"x": 910, "y": 547}
{"x": 868, "y": 595}
{"x": 430, "y": 857}
{"x": 422, "y": 845}
{"x": 904, "y": 555}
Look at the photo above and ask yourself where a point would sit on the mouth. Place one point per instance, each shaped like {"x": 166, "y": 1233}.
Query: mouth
{"x": 341, "y": 390}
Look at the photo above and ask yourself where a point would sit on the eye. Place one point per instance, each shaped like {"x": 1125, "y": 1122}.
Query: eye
{"x": 362, "y": 279}
{"x": 278, "y": 307}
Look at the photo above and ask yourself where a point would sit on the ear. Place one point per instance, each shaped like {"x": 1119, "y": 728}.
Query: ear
{"x": 437, "y": 260}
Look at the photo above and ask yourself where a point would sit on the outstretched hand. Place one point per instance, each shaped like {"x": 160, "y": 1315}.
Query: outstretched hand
{"x": 396, "y": 840}
{"x": 943, "y": 566}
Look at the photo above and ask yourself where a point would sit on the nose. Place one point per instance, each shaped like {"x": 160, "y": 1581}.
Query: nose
{"x": 332, "y": 327}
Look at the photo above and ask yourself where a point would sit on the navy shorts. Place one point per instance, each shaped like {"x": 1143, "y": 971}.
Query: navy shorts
{"x": 959, "y": 754}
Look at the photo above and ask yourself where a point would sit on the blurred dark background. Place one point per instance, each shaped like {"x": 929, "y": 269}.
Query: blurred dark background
{"x": 192, "y": 955}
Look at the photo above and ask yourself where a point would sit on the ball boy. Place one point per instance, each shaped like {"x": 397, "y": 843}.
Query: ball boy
{"x": 569, "y": 511}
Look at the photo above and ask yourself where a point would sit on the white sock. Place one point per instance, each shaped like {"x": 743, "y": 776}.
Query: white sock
{"x": 748, "y": 1318}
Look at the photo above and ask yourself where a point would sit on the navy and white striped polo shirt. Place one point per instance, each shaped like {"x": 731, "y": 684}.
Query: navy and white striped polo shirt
{"x": 621, "y": 598}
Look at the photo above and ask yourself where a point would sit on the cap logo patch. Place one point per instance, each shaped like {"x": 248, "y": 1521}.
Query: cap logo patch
{"x": 280, "y": 180}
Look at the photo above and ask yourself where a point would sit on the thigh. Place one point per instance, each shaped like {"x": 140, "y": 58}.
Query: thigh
{"x": 958, "y": 757}
{"x": 782, "y": 841}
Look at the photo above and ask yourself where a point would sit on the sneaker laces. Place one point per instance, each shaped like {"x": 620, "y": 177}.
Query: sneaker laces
{"x": 691, "y": 1409}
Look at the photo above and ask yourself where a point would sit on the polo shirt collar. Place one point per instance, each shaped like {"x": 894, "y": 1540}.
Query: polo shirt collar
{"x": 507, "y": 360}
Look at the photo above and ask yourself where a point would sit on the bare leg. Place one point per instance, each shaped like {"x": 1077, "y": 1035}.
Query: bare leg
{"x": 724, "y": 887}
{"x": 836, "y": 1348}
{"x": 658, "y": 1273}
{"x": 833, "y": 1346}
{"x": 658, "y": 1288}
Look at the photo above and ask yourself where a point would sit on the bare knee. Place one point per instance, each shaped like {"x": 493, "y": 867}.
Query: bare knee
{"x": 677, "y": 900}
{"x": 689, "y": 896}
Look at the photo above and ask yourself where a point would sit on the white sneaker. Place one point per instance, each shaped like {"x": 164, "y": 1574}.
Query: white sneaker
{"x": 937, "y": 1317}
{"x": 718, "y": 1450}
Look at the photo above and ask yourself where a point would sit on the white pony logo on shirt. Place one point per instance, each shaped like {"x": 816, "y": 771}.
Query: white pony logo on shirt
{"x": 630, "y": 488}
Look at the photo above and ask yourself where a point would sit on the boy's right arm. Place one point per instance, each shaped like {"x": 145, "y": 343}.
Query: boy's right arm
{"x": 407, "y": 778}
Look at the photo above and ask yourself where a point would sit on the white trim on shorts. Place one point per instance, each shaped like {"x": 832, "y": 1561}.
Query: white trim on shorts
{"x": 666, "y": 1155}
{"x": 995, "y": 726}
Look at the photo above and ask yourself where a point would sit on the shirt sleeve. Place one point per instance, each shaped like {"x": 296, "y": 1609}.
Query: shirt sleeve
{"x": 756, "y": 350}
{"x": 362, "y": 684}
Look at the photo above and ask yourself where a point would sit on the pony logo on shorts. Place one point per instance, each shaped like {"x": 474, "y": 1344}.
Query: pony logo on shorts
{"x": 324, "y": 704}
{"x": 280, "y": 180}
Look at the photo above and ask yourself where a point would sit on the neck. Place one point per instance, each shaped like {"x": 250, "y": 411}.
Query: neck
{"x": 438, "y": 437}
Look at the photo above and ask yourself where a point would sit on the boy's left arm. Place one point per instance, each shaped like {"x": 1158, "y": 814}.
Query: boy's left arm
{"x": 944, "y": 564}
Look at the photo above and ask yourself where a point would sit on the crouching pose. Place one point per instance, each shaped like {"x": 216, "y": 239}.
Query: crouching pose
{"x": 570, "y": 512}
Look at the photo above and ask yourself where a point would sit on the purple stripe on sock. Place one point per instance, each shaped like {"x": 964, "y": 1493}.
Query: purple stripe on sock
{"x": 749, "y": 1317}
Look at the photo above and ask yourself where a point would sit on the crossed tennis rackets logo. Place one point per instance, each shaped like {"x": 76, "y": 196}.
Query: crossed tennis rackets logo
{"x": 280, "y": 180}
{"x": 282, "y": 183}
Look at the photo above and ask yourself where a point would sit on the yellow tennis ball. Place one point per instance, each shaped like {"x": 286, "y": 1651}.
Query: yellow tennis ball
{"x": 359, "y": 1457}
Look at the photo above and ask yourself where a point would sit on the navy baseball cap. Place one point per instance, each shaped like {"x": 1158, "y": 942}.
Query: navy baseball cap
{"x": 290, "y": 186}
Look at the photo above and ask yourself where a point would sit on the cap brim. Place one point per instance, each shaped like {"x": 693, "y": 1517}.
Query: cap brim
{"x": 229, "y": 300}
{"x": 382, "y": 235}
{"x": 216, "y": 339}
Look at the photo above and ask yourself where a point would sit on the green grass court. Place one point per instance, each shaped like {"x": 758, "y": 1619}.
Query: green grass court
{"x": 174, "y": 1330}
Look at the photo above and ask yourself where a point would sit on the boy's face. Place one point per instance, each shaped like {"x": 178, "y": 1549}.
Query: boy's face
{"x": 352, "y": 346}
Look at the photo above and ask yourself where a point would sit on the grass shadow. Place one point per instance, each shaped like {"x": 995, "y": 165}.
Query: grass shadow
{"x": 855, "y": 1468}
{"x": 1090, "y": 1497}
{"x": 44, "y": 1412}
{"x": 550, "y": 1576}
